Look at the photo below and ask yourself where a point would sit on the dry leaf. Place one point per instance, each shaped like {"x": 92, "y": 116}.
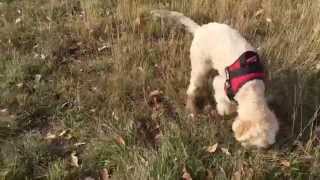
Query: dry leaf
{"x": 236, "y": 175}
{"x": 269, "y": 20}
{"x": 42, "y": 56}
{"x": 18, "y": 20}
{"x": 155, "y": 98}
{"x": 137, "y": 21}
{"x": 79, "y": 144}
{"x": 213, "y": 148}
{"x": 120, "y": 141}
{"x": 115, "y": 116}
{"x": 63, "y": 132}
{"x": 210, "y": 175}
{"x": 19, "y": 85}
{"x": 66, "y": 134}
{"x": 74, "y": 160}
{"x": 37, "y": 78}
{"x": 259, "y": 12}
{"x": 186, "y": 175}
{"x": 104, "y": 174}
{"x": 4, "y": 112}
{"x": 94, "y": 88}
{"x": 102, "y": 48}
{"x": 285, "y": 163}
{"x": 48, "y": 18}
{"x": 88, "y": 178}
{"x": 226, "y": 151}
{"x": 49, "y": 136}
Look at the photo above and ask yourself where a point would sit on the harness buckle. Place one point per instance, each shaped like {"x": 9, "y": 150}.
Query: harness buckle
{"x": 227, "y": 74}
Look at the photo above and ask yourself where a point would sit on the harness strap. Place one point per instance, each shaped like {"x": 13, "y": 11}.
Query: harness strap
{"x": 247, "y": 55}
{"x": 253, "y": 68}
{"x": 247, "y": 67}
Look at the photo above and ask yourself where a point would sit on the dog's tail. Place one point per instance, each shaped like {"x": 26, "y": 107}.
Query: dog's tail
{"x": 189, "y": 23}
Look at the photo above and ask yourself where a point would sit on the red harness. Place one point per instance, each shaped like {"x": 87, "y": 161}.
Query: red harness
{"x": 246, "y": 68}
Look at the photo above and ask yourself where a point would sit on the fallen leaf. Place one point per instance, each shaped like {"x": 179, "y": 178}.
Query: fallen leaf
{"x": 79, "y": 144}
{"x": 66, "y": 134}
{"x": 259, "y": 12}
{"x": 186, "y": 175}
{"x": 155, "y": 98}
{"x": 18, "y": 20}
{"x": 88, "y": 178}
{"x": 48, "y": 18}
{"x": 115, "y": 116}
{"x": 102, "y": 48}
{"x": 285, "y": 163}
{"x": 213, "y": 148}
{"x": 94, "y": 88}
{"x": 19, "y": 85}
{"x": 104, "y": 174}
{"x": 63, "y": 132}
{"x": 120, "y": 141}
{"x": 269, "y": 20}
{"x": 49, "y": 136}
{"x": 209, "y": 175}
{"x": 140, "y": 69}
{"x": 37, "y": 78}
{"x": 42, "y": 56}
{"x": 236, "y": 175}
{"x": 74, "y": 160}
{"x": 105, "y": 46}
{"x": 137, "y": 21}
{"x": 4, "y": 112}
{"x": 226, "y": 151}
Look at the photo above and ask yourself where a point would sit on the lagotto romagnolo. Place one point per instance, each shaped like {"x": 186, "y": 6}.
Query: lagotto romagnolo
{"x": 239, "y": 85}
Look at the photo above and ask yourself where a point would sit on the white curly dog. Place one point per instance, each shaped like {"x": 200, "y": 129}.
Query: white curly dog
{"x": 239, "y": 85}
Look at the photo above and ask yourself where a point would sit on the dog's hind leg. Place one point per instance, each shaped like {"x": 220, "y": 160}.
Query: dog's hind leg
{"x": 224, "y": 106}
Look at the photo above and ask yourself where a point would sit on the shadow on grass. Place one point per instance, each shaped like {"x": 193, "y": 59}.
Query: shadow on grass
{"x": 296, "y": 102}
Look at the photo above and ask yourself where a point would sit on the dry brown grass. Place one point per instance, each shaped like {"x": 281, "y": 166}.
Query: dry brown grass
{"x": 89, "y": 66}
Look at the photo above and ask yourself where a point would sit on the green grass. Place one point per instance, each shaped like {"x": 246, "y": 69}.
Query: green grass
{"x": 88, "y": 67}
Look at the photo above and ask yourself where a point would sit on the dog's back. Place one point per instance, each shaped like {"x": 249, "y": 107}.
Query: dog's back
{"x": 217, "y": 42}
{"x": 221, "y": 44}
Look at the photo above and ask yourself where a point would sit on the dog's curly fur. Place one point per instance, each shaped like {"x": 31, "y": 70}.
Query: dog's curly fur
{"x": 216, "y": 46}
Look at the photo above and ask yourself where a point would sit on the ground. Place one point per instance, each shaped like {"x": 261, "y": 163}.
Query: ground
{"x": 96, "y": 89}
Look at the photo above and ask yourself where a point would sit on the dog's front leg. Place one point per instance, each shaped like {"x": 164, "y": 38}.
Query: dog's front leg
{"x": 198, "y": 87}
{"x": 224, "y": 106}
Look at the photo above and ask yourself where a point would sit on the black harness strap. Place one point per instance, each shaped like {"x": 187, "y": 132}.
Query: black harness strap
{"x": 247, "y": 55}
{"x": 252, "y": 68}
{"x": 229, "y": 91}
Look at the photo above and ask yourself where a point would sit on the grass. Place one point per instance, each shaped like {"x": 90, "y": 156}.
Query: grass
{"x": 81, "y": 71}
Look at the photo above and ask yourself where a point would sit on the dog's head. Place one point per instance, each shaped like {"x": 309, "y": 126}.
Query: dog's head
{"x": 259, "y": 131}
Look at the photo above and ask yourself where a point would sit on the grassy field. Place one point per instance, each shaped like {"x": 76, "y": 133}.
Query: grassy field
{"x": 76, "y": 78}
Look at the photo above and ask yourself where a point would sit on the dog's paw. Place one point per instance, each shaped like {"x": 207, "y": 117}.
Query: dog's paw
{"x": 251, "y": 133}
{"x": 225, "y": 108}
